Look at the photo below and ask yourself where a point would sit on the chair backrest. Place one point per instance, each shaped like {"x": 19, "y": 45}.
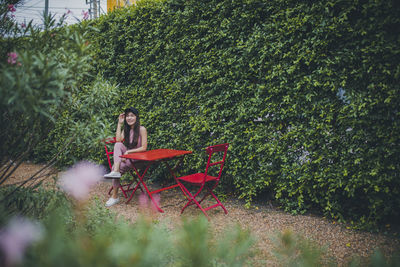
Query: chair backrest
{"x": 107, "y": 141}
{"x": 211, "y": 150}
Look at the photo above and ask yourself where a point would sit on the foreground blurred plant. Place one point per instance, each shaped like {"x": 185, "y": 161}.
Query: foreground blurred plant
{"x": 16, "y": 237}
{"x": 84, "y": 234}
{"x": 118, "y": 243}
{"x": 195, "y": 247}
{"x": 293, "y": 250}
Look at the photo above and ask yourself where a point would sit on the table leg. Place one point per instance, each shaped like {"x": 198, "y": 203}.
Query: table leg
{"x": 171, "y": 171}
{"x": 133, "y": 189}
{"x": 144, "y": 185}
{"x": 141, "y": 182}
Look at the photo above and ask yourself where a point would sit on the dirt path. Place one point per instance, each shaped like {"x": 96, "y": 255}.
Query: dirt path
{"x": 342, "y": 243}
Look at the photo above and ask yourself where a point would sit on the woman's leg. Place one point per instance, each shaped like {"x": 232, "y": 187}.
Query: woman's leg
{"x": 116, "y": 185}
{"x": 119, "y": 150}
{"x": 123, "y": 167}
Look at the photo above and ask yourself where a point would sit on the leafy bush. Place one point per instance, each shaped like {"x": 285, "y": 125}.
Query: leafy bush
{"x": 40, "y": 68}
{"x": 306, "y": 94}
{"x": 35, "y": 203}
{"x": 88, "y": 117}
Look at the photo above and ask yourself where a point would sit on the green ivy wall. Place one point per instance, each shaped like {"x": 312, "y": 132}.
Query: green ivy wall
{"x": 307, "y": 94}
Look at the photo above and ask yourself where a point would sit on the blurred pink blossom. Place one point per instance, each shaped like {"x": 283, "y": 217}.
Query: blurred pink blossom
{"x": 145, "y": 202}
{"x": 68, "y": 12}
{"x": 23, "y": 25}
{"x": 11, "y": 8}
{"x": 156, "y": 199}
{"x": 85, "y": 14}
{"x": 16, "y": 237}
{"x": 79, "y": 179}
{"x": 12, "y": 58}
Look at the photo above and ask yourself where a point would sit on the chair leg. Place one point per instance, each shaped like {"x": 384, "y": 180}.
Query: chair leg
{"x": 128, "y": 189}
{"x": 133, "y": 192}
{"x": 205, "y": 195}
{"x": 138, "y": 186}
{"x": 219, "y": 202}
{"x": 128, "y": 185}
{"x": 198, "y": 205}
{"x": 187, "y": 195}
{"x": 211, "y": 207}
{"x": 122, "y": 189}
{"x": 191, "y": 199}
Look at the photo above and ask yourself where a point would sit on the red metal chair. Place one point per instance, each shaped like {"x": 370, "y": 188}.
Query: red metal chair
{"x": 107, "y": 141}
{"x": 112, "y": 141}
{"x": 205, "y": 180}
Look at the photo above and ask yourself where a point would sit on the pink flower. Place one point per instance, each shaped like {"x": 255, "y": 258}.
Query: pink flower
{"x": 68, "y": 12}
{"x": 23, "y": 25}
{"x": 11, "y": 8}
{"x": 16, "y": 237}
{"x": 85, "y": 14}
{"x": 78, "y": 180}
{"x": 12, "y": 58}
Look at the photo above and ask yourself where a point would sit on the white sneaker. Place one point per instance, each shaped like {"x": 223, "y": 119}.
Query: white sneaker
{"x": 112, "y": 174}
{"x": 112, "y": 201}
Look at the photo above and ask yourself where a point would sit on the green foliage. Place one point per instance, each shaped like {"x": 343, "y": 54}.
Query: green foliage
{"x": 88, "y": 117}
{"x": 306, "y": 94}
{"x": 377, "y": 259}
{"x": 293, "y": 250}
{"x": 195, "y": 248}
{"x": 117, "y": 243}
{"x": 76, "y": 234}
{"x": 49, "y": 65}
{"x": 34, "y": 203}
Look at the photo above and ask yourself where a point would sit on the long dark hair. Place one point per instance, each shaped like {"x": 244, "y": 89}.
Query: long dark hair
{"x": 127, "y": 129}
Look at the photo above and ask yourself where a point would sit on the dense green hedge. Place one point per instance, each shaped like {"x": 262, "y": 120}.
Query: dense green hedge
{"x": 307, "y": 94}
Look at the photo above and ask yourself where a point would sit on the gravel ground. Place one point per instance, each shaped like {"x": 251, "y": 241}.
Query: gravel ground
{"x": 342, "y": 243}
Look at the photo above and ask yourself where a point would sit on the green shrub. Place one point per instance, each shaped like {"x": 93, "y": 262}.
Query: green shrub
{"x": 306, "y": 94}
{"x": 35, "y": 203}
{"x": 88, "y": 117}
{"x": 40, "y": 68}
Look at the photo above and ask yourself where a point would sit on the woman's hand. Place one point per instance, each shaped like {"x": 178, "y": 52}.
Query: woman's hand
{"x": 121, "y": 118}
{"x": 124, "y": 159}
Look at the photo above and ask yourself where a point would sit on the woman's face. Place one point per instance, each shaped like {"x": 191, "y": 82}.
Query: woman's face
{"x": 130, "y": 118}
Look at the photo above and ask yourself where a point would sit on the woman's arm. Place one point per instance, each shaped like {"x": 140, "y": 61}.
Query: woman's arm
{"x": 119, "y": 134}
{"x": 143, "y": 147}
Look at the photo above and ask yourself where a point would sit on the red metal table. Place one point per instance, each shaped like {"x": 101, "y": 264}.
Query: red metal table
{"x": 148, "y": 158}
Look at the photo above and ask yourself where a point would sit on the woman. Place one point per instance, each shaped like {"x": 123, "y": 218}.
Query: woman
{"x": 132, "y": 138}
